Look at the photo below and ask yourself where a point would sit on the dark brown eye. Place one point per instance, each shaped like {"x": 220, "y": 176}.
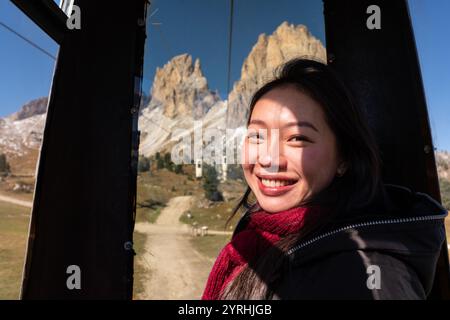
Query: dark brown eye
{"x": 298, "y": 138}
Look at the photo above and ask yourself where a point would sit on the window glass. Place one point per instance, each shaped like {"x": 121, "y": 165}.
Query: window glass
{"x": 27, "y": 61}
{"x": 431, "y": 25}
{"x": 199, "y": 76}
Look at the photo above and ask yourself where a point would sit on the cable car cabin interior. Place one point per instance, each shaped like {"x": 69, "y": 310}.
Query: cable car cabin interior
{"x": 94, "y": 135}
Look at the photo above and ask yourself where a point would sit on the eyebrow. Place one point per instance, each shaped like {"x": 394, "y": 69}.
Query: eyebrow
{"x": 289, "y": 124}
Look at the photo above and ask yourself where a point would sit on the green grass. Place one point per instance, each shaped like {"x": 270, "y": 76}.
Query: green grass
{"x": 7, "y": 185}
{"x": 140, "y": 271}
{"x": 214, "y": 217}
{"x": 155, "y": 190}
{"x": 161, "y": 185}
{"x": 144, "y": 214}
{"x": 210, "y": 245}
{"x": 13, "y": 236}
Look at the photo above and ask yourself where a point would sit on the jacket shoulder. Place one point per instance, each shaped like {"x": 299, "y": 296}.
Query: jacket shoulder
{"x": 357, "y": 274}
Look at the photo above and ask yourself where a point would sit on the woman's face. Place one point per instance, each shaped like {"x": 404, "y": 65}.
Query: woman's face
{"x": 290, "y": 153}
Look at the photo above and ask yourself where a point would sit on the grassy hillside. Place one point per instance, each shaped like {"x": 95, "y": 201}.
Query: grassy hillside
{"x": 156, "y": 188}
{"x": 13, "y": 237}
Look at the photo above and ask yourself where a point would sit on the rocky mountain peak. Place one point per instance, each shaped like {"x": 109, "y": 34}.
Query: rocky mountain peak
{"x": 32, "y": 108}
{"x": 288, "y": 41}
{"x": 181, "y": 88}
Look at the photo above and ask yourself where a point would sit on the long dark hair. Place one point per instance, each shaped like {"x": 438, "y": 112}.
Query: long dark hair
{"x": 358, "y": 188}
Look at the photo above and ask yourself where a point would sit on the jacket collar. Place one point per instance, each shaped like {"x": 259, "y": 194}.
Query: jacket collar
{"x": 413, "y": 231}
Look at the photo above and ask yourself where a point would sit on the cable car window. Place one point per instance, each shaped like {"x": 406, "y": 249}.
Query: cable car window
{"x": 203, "y": 62}
{"x": 209, "y": 77}
{"x": 27, "y": 61}
{"x": 430, "y": 26}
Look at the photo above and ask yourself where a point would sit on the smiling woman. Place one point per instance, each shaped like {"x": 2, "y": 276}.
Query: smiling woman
{"x": 316, "y": 133}
{"x": 323, "y": 220}
{"x": 301, "y": 159}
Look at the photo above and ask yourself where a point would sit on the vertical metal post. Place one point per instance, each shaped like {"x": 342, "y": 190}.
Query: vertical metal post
{"x": 83, "y": 211}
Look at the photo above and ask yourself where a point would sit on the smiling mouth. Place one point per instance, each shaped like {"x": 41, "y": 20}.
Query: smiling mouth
{"x": 275, "y": 187}
{"x": 276, "y": 183}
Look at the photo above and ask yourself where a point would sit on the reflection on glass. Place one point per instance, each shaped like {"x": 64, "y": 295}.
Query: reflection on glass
{"x": 200, "y": 73}
{"x": 27, "y": 62}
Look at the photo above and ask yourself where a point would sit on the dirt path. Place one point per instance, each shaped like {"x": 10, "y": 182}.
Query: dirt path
{"x": 15, "y": 201}
{"x": 177, "y": 271}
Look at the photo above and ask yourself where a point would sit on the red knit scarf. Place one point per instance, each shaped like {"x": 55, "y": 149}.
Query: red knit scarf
{"x": 263, "y": 230}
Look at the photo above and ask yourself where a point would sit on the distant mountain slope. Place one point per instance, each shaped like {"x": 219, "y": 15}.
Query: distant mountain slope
{"x": 179, "y": 96}
{"x": 21, "y": 136}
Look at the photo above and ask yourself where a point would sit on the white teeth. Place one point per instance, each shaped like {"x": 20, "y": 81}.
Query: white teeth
{"x": 276, "y": 183}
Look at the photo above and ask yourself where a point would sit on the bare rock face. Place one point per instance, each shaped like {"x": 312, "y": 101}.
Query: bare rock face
{"x": 22, "y": 131}
{"x": 32, "y": 108}
{"x": 269, "y": 53}
{"x": 17, "y": 136}
{"x": 179, "y": 96}
{"x": 180, "y": 87}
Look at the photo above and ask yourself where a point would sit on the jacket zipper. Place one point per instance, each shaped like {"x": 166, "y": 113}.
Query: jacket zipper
{"x": 364, "y": 224}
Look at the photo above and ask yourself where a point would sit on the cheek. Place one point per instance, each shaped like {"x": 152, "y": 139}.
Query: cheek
{"x": 318, "y": 166}
{"x": 296, "y": 158}
{"x": 247, "y": 166}
{"x": 249, "y": 155}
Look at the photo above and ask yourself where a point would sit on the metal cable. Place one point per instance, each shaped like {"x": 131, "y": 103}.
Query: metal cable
{"x": 27, "y": 40}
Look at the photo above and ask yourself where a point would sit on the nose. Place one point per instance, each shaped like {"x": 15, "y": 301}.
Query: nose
{"x": 272, "y": 159}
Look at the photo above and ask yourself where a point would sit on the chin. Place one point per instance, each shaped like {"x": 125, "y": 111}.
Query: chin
{"x": 274, "y": 205}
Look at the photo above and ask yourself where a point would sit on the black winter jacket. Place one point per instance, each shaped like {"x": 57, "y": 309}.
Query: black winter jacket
{"x": 390, "y": 256}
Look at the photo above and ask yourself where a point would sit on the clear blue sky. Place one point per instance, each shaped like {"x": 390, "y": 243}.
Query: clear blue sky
{"x": 26, "y": 73}
{"x": 200, "y": 27}
{"x": 431, "y": 28}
